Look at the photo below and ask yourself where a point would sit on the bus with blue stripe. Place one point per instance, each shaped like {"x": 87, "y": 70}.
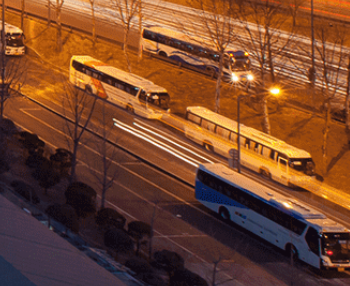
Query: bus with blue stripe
{"x": 303, "y": 232}
{"x": 198, "y": 53}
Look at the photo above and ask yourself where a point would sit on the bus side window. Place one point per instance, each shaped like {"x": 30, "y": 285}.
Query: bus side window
{"x": 257, "y": 147}
{"x": 222, "y": 132}
{"x": 233, "y": 137}
{"x": 247, "y": 143}
{"x": 208, "y": 125}
{"x": 266, "y": 152}
{"x": 272, "y": 155}
{"x": 194, "y": 118}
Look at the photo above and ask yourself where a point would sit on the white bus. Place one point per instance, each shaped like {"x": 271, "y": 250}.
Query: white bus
{"x": 132, "y": 92}
{"x": 197, "y": 53}
{"x": 14, "y": 40}
{"x": 305, "y": 233}
{"x": 260, "y": 152}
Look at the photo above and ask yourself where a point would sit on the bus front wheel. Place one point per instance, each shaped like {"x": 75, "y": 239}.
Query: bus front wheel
{"x": 292, "y": 252}
{"x": 224, "y": 214}
{"x": 129, "y": 109}
{"x": 162, "y": 54}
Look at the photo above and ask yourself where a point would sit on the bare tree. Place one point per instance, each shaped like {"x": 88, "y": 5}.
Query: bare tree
{"x": 22, "y": 13}
{"x": 127, "y": 10}
{"x": 264, "y": 40}
{"x": 330, "y": 50}
{"x": 107, "y": 153}
{"x": 93, "y": 32}
{"x": 58, "y": 10}
{"x": 79, "y": 107}
{"x": 293, "y": 7}
{"x": 15, "y": 71}
{"x": 217, "y": 30}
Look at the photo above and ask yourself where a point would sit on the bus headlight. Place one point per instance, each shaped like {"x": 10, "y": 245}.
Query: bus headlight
{"x": 250, "y": 77}
{"x": 235, "y": 78}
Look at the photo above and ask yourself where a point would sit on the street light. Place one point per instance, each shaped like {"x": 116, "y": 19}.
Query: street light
{"x": 274, "y": 91}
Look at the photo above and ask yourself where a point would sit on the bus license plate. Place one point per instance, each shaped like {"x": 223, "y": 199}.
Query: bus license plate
{"x": 341, "y": 269}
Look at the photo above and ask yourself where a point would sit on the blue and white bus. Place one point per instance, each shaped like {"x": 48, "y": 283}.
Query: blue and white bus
{"x": 305, "y": 233}
{"x": 196, "y": 52}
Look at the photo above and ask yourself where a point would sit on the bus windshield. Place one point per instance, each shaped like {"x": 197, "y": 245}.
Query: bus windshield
{"x": 14, "y": 40}
{"x": 305, "y": 165}
{"x": 336, "y": 246}
{"x": 160, "y": 99}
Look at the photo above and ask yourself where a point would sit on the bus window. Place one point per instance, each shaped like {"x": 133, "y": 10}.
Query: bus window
{"x": 266, "y": 152}
{"x": 208, "y": 125}
{"x": 194, "y": 118}
{"x": 233, "y": 137}
{"x": 223, "y": 132}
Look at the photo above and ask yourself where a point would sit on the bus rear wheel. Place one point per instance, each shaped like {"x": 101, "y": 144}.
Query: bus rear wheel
{"x": 130, "y": 109}
{"x": 208, "y": 146}
{"x": 88, "y": 89}
{"x": 224, "y": 214}
{"x": 265, "y": 173}
{"x": 163, "y": 54}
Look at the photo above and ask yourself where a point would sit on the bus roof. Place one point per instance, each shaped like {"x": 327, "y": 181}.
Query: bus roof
{"x": 289, "y": 205}
{"x": 182, "y": 36}
{"x": 253, "y": 134}
{"x": 11, "y": 29}
{"x": 131, "y": 78}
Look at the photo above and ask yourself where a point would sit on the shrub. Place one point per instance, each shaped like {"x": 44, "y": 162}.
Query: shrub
{"x": 184, "y": 277}
{"x": 35, "y": 160}
{"x": 7, "y": 126}
{"x": 62, "y": 160}
{"x": 109, "y": 218}
{"x": 82, "y": 198}
{"x": 26, "y": 191}
{"x": 146, "y": 272}
{"x": 31, "y": 142}
{"x": 168, "y": 260}
{"x": 118, "y": 240}
{"x": 138, "y": 230}
{"x": 64, "y": 214}
{"x": 138, "y": 265}
{"x": 46, "y": 175}
{"x": 4, "y": 166}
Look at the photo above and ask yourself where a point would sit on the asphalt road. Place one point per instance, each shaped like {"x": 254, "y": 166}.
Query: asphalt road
{"x": 139, "y": 187}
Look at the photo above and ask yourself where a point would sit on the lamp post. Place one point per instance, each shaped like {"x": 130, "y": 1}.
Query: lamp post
{"x": 274, "y": 91}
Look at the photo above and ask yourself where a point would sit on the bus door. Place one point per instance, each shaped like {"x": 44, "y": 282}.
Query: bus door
{"x": 283, "y": 169}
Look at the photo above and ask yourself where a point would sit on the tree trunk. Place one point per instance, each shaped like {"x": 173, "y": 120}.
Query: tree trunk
{"x": 218, "y": 83}
{"x": 125, "y": 47}
{"x": 93, "y": 23}
{"x": 59, "y": 26}
{"x": 140, "y": 29}
{"x": 270, "y": 59}
{"x": 325, "y": 138}
{"x": 266, "y": 120}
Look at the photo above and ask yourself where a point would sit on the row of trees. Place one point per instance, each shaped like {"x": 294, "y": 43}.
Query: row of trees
{"x": 260, "y": 32}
